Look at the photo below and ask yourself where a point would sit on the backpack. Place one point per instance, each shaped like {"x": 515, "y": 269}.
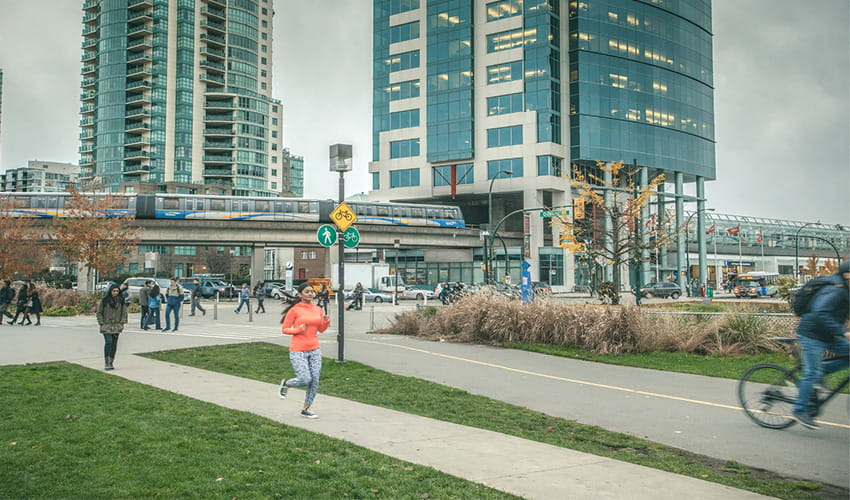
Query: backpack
{"x": 803, "y": 297}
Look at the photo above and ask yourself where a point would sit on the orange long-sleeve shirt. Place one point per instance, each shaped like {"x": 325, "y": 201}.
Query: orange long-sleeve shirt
{"x": 309, "y": 315}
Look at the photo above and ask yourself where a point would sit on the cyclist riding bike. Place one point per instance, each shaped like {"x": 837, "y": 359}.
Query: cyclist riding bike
{"x": 822, "y": 328}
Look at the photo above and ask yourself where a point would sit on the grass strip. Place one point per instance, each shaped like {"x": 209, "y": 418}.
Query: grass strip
{"x": 354, "y": 381}
{"x": 70, "y": 432}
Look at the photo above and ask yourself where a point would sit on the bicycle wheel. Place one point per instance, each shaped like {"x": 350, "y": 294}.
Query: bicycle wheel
{"x": 767, "y": 393}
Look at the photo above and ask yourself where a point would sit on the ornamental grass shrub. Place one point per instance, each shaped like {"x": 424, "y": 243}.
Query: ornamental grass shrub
{"x": 491, "y": 319}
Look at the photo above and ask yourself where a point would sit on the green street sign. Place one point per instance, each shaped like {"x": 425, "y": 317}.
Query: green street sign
{"x": 553, "y": 213}
{"x": 351, "y": 237}
{"x": 326, "y": 235}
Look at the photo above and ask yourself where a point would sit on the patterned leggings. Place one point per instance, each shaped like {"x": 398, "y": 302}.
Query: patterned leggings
{"x": 307, "y": 366}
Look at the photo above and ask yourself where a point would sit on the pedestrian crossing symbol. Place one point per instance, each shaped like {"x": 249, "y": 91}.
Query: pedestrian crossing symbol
{"x": 326, "y": 235}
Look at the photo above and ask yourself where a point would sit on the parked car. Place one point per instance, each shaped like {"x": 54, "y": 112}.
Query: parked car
{"x": 136, "y": 283}
{"x": 103, "y": 286}
{"x": 208, "y": 287}
{"x": 662, "y": 289}
{"x": 269, "y": 287}
{"x": 371, "y": 295}
{"x": 418, "y": 292}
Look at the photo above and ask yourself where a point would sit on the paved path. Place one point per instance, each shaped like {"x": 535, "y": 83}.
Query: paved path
{"x": 660, "y": 406}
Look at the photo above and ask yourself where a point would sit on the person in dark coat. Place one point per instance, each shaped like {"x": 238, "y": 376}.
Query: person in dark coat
{"x": 34, "y": 305}
{"x": 7, "y": 295}
{"x": 111, "y": 316}
{"x": 821, "y": 327}
{"x": 20, "y": 304}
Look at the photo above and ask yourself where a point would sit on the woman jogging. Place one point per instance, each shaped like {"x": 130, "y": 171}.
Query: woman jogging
{"x": 304, "y": 321}
{"x": 111, "y": 316}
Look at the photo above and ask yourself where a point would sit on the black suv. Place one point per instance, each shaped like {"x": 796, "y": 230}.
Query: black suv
{"x": 663, "y": 289}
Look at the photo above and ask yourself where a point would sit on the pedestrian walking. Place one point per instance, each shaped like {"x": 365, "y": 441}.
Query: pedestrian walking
{"x": 154, "y": 305}
{"x": 144, "y": 298}
{"x": 444, "y": 294}
{"x": 34, "y": 305}
{"x": 821, "y": 328}
{"x": 304, "y": 321}
{"x": 28, "y": 288}
{"x": 324, "y": 297}
{"x": 111, "y": 316}
{"x": 197, "y": 294}
{"x": 260, "y": 292}
{"x": 7, "y": 295}
{"x": 174, "y": 300}
{"x": 244, "y": 298}
{"x": 20, "y": 304}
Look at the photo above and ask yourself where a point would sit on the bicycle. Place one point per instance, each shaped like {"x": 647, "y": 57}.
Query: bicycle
{"x": 771, "y": 406}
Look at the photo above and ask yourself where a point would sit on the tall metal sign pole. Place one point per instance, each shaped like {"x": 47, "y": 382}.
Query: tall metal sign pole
{"x": 340, "y": 161}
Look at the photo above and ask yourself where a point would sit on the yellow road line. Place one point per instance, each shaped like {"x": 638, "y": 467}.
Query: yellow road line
{"x": 571, "y": 380}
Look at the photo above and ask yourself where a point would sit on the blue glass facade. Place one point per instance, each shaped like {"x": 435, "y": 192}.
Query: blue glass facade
{"x": 641, "y": 84}
{"x": 111, "y": 91}
{"x": 542, "y": 75}
{"x": 450, "y": 87}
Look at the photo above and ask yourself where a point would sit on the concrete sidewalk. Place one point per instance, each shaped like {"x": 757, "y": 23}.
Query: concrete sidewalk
{"x": 521, "y": 467}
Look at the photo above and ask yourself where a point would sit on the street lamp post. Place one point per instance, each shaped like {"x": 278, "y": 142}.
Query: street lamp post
{"x": 490, "y": 220}
{"x": 797, "y": 249}
{"x": 687, "y": 243}
{"x": 396, "y": 245}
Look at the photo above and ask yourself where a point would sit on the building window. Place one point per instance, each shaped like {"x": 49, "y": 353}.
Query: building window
{"x": 184, "y": 250}
{"x": 403, "y": 90}
{"x": 464, "y": 174}
{"x": 404, "y": 119}
{"x": 496, "y": 167}
{"x": 405, "y": 148}
{"x": 401, "y": 62}
{"x": 404, "y": 32}
{"x": 503, "y": 9}
{"x": 549, "y": 165}
{"x": 504, "y": 104}
{"x": 376, "y": 180}
{"x": 404, "y": 178}
{"x": 506, "y": 72}
{"x": 504, "y": 41}
{"x": 504, "y": 136}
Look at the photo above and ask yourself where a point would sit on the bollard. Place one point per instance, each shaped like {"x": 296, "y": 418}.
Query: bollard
{"x": 215, "y": 306}
{"x": 250, "y": 312}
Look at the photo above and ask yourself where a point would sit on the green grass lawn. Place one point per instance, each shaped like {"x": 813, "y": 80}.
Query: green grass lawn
{"x": 263, "y": 362}
{"x": 70, "y": 432}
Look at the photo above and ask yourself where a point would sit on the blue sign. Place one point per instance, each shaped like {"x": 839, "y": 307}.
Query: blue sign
{"x": 526, "y": 290}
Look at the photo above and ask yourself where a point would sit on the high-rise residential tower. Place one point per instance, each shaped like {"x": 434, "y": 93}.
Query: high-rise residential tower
{"x": 498, "y": 99}
{"x": 176, "y": 97}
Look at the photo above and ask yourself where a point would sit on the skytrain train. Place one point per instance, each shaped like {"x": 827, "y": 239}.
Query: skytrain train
{"x": 207, "y": 207}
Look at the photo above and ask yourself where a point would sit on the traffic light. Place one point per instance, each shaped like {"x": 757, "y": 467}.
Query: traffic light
{"x": 578, "y": 208}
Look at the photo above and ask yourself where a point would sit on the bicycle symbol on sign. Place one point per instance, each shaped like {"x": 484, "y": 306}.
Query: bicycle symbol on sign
{"x": 343, "y": 215}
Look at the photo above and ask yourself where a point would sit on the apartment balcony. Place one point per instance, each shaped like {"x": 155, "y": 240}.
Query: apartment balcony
{"x": 139, "y": 44}
{"x": 87, "y": 121}
{"x": 90, "y": 56}
{"x": 137, "y": 17}
{"x": 138, "y": 84}
{"x": 218, "y": 158}
{"x": 86, "y": 147}
{"x": 213, "y": 13}
{"x": 135, "y": 140}
{"x": 136, "y": 127}
{"x": 87, "y": 108}
{"x": 136, "y": 154}
{"x": 137, "y": 113}
{"x": 213, "y": 39}
{"x": 214, "y": 27}
{"x": 139, "y": 70}
{"x": 86, "y": 134}
{"x": 139, "y": 4}
{"x": 88, "y": 95}
{"x": 91, "y": 5}
{"x": 213, "y": 66}
{"x": 214, "y": 131}
{"x": 133, "y": 167}
{"x": 139, "y": 30}
{"x": 86, "y": 160}
{"x": 217, "y": 172}
{"x": 138, "y": 57}
{"x": 89, "y": 69}
{"x": 89, "y": 42}
{"x": 219, "y": 104}
{"x": 221, "y": 4}
{"x": 140, "y": 98}
{"x": 91, "y": 17}
{"x": 218, "y": 118}
{"x": 89, "y": 83}
{"x": 91, "y": 30}
{"x": 218, "y": 145}
{"x": 209, "y": 78}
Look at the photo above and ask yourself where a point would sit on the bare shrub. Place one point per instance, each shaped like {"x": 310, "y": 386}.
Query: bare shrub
{"x": 56, "y": 298}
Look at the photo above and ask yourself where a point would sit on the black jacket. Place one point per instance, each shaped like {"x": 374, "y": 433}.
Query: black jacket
{"x": 828, "y": 311}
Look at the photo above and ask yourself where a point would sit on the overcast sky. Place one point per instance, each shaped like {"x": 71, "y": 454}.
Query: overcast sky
{"x": 781, "y": 75}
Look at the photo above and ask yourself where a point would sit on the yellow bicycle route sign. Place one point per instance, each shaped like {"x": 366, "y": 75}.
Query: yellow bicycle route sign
{"x": 343, "y": 216}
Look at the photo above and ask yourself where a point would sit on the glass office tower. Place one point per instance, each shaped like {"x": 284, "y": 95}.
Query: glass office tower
{"x": 496, "y": 100}
{"x": 176, "y": 97}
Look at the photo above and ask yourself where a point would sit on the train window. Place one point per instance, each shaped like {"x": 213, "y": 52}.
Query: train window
{"x": 417, "y": 212}
{"x": 383, "y": 210}
{"x": 449, "y": 213}
{"x": 402, "y": 211}
{"x": 19, "y": 202}
{"x": 261, "y": 206}
{"x": 217, "y": 205}
{"x": 288, "y": 207}
{"x": 170, "y": 203}
{"x": 40, "y": 202}
{"x": 53, "y": 202}
{"x": 120, "y": 202}
{"x": 304, "y": 207}
{"x": 433, "y": 213}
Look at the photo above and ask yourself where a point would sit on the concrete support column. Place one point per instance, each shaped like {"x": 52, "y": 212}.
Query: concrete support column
{"x": 564, "y": 199}
{"x": 534, "y": 198}
{"x": 258, "y": 263}
{"x": 703, "y": 266}
{"x": 608, "y": 272}
{"x": 681, "y": 230}
{"x": 661, "y": 253}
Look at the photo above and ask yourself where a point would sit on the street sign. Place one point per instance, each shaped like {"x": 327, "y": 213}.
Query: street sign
{"x": 351, "y": 237}
{"x": 343, "y": 216}
{"x": 553, "y": 213}
{"x": 326, "y": 235}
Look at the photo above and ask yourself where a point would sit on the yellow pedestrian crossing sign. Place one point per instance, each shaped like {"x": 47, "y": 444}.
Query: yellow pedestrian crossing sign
{"x": 343, "y": 216}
